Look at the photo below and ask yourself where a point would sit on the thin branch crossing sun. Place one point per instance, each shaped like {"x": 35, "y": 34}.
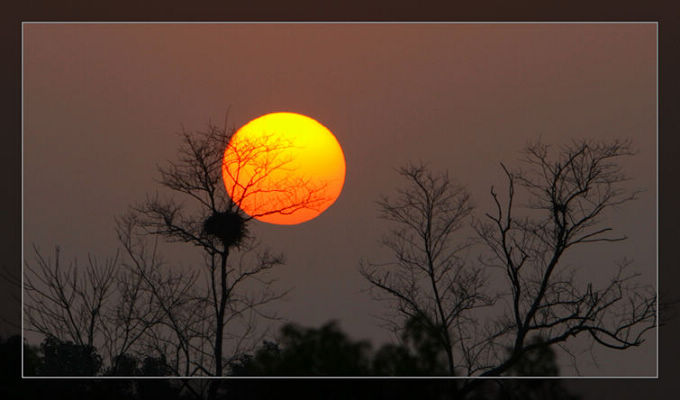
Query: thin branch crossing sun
{"x": 283, "y": 168}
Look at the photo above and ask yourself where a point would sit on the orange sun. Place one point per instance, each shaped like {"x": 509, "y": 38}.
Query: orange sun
{"x": 283, "y": 168}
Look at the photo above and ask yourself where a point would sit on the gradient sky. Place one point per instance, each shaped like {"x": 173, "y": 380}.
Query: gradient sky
{"x": 103, "y": 104}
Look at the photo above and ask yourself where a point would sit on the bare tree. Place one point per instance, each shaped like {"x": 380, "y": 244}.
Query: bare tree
{"x": 95, "y": 305}
{"x": 567, "y": 196}
{"x": 201, "y": 213}
{"x": 67, "y": 302}
{"x": 428, "y": 280}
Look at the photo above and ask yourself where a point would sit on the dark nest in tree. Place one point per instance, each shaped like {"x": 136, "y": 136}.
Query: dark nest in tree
{"x": 227, "y": 226}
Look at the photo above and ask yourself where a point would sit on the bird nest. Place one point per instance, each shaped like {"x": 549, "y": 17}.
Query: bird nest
{"x": 227, "y": 226}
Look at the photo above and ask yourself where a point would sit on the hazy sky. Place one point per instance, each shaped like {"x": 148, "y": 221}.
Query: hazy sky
{"x": 103, "y": 104}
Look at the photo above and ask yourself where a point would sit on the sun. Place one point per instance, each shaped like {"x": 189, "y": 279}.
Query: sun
{"x": 283, "y": 168}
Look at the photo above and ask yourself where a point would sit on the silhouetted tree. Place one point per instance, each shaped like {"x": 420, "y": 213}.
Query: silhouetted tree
{"x": 68, "y": 359}
{"x": 307, "y": 351}
{"x": 428, "y": 280}
{"x": 329, "y": 351}
{"x": 567, "y": 196}
{"x": 201, "y": 213}
{"x": 67, "y": 302}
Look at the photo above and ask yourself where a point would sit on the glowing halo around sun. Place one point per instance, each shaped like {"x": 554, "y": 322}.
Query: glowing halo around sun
{"x": 283, "y": 168}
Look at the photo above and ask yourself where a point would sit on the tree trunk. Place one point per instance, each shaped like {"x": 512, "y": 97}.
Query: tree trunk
{"x": 219, "y": 332}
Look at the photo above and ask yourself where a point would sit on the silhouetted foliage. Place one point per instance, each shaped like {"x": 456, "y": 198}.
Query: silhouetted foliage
{"x": 68, "y": 359}
{"x": 329, "y": 351}
{"x": 128, "y": 365}
{"x": 32, "y": 358}
{"x": 155, "y": 366}
{"x": 308, "y": 351}
{"x": 419, "y": 353}
{"x": 123, "y": 365}
{"x": 12, "y": 387}
{"x": 540, "y": 361}
{"x": 156, "y": 388}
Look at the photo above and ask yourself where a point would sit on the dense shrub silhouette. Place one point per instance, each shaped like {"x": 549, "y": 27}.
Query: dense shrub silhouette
{"x": 65, "y": 358}
{"x": 307, "y": 351}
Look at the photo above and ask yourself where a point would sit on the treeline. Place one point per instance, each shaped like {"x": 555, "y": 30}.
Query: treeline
{"x": 297, "y": 351}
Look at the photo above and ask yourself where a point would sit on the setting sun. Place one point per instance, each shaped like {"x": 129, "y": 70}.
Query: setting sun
{"x": 283, "y": 168}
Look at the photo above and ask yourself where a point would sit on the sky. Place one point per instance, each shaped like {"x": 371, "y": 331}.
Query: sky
{"x": 103, "y": 104}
